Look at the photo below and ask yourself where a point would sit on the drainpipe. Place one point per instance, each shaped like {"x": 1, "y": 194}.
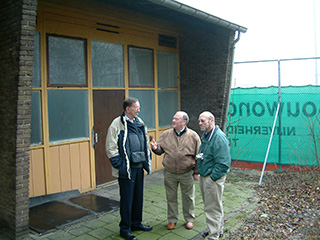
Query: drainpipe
{"x": 230, "y": 83}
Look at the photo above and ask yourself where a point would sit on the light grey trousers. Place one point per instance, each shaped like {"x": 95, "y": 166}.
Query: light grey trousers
{"x": 212, "y": 198}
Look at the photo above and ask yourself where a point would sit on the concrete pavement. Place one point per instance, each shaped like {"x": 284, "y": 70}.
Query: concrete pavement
{"x": 238, "y": 202}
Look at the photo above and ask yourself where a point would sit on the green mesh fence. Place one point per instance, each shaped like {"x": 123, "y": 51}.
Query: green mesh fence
{"x": 296, "y": 137}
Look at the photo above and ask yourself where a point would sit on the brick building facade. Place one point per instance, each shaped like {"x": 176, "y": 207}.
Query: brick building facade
{"x": 205, "y": 60}
{"x": 18, "y": 22}
{"x": 206, "y": 74}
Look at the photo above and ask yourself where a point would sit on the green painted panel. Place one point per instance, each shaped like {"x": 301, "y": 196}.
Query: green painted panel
{"x": 251, "y": 116}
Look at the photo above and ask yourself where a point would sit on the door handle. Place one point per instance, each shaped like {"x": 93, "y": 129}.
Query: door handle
{"x": 96, "y": 137}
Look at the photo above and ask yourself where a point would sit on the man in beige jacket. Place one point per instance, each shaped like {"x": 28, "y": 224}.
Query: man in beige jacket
{"x": 180, "y": 146}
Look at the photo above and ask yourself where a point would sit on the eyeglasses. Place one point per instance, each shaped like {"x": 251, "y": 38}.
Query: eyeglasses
{"x": 202, "y": 120}
{"x": 135, "y": 108}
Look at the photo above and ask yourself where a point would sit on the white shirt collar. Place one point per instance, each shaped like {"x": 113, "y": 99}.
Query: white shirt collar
{"x": 128, "y": 119}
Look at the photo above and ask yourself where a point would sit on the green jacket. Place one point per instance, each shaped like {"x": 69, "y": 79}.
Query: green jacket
{"x": 216, "y": 157}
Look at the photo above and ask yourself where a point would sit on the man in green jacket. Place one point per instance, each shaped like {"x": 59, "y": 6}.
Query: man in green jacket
{"x": 213, "y": 161}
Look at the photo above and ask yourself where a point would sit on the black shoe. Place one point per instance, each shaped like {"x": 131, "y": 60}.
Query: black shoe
{"x": 141, "y": 227}
{"x": 204, "y": 234}
{"x": 128, "y": 236}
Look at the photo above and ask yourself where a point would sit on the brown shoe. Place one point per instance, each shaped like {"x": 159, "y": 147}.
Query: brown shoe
{"x": 171, "y": 226}
{"x": 189, "y": 225}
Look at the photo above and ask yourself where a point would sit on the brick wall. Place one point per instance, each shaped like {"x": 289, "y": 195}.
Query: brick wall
{"x": 205, "y": 64}
{"x": 18, "y": 20}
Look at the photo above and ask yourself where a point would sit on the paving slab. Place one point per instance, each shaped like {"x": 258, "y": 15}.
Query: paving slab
{"x": 238, "y": 202}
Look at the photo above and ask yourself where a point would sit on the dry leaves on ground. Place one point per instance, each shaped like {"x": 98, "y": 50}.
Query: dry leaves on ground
{"x": 289, "y": 206}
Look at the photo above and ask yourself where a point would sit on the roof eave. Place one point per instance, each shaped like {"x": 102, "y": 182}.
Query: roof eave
{"x": 176, "y": 6}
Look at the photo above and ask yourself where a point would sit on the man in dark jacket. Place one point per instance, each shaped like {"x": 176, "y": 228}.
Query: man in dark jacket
{"x": 127, "y": 147}
{"x": 213, "y": 161}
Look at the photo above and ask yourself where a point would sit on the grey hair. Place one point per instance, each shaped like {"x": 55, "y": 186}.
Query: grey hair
{"x": 129, "y": 101}
{"x": 185, "y": 116}
{"x": 209, "y": 115}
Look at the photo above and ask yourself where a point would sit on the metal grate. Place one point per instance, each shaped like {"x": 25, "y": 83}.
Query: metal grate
{"x": 107, "y": 28}
{"x": 167, "y": 41}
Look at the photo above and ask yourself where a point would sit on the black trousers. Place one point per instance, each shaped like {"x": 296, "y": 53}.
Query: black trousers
{"x": 131, "y": 200}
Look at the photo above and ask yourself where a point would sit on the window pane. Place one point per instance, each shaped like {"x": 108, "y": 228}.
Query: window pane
{"x": 168, "y": 106}
{"x": 68, "y": 115}
{"x": 36, "y": 123}
{"x": 147, "y": 111}
{"x": 67, "y": 63}
{"x": 167, "y": 69}
{"x": 36, "y": 81}
{"x": 107, "y": 64}
{"x": 141, "y": 67}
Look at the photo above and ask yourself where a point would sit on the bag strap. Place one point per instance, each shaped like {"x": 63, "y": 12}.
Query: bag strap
{"x": 138, "y": 134}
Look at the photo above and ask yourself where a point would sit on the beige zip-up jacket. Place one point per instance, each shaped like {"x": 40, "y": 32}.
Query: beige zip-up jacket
{"x": 179, "y": 152}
